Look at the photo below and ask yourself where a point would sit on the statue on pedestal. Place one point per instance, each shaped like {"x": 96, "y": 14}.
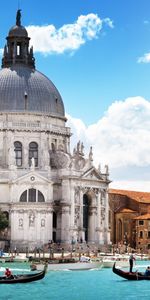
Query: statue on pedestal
{"x": 32, "y": 163}
{"x": 18, "y": 17}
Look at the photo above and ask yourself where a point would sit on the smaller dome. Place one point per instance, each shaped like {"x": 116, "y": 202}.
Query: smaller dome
{"x": 18, "y": 31}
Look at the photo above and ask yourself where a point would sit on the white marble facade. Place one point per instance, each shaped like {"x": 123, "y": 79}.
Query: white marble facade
{"x": 48, "y": 192}
{"x": 62, "y": 179}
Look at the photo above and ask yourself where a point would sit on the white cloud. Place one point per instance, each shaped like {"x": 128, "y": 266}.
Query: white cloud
{"x": 70, "y": 37}
{"x": 144, "y": 59}
{"x": 121, "y": 139}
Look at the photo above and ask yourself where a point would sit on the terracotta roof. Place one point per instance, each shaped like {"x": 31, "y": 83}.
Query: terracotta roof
{"x": 137, "y": 196}
{"x": 127, "y": 210}
{"x": 143, "y": 217}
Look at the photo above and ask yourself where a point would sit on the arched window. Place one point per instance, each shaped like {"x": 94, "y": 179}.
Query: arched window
{"x": 120, "y": 230}
{"x": 18, "y": 153}
{"x": 32, "y": 195}
{"x": 33, "y": 152}
{"x": 40, "y": 197}
{"x": 23, "y": 197}
{"x": 54, "y": 220}
{"x": 53, "y": 147}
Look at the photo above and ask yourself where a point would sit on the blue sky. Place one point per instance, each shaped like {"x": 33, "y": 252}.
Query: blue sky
{"x": 97, "y": 54}
{"x": 102, "y": 70}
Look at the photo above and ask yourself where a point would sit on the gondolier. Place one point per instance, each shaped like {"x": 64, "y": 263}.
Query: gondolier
{"x": 130, "y": 276}
{"x": 131, "y": 259}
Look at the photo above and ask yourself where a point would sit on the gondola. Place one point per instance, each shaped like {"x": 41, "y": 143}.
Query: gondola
{"x": 130, "y": 276}
{"x": 24, "y": 278}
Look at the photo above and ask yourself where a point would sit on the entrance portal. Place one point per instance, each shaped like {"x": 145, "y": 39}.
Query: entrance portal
{"x": 85, "y": 215}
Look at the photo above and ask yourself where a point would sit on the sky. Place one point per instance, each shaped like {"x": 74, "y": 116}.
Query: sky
{"x": 97, "y": 53}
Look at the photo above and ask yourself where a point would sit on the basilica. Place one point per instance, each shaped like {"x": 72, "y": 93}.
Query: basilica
{"x": 47, "y": 192}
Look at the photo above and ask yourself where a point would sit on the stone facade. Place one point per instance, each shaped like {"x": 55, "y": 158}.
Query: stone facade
{"x": 130, "y": 219}
{"x": 47, "y": 192}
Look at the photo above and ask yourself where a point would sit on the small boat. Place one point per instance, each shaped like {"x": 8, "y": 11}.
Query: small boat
{"x": 23, "y": 278}
{"x": 70, "y": 264}
{"x": 20, "y": 258}
{"x": 108, "y": 261}
{"x": 130, "y": 276}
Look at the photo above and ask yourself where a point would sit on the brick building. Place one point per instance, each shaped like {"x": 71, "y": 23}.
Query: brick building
{"x": 130, "y": 218}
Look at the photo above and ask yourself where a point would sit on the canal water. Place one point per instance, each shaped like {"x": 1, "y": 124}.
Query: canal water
{"x": 77, "y": 285}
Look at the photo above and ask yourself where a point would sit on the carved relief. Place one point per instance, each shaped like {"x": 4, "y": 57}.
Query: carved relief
{"x": 20, "y": 223}
{"x": 42, "y": 222}
{"x": 103, "y": 213}
{"x": 76, "y": 215}
{"x": 61, "y": 147}
{"x": 31, "y": 219}
{"x": 77, "y": 195}
{"x": 79, "y": 163}
{"x": 59, "y": 160}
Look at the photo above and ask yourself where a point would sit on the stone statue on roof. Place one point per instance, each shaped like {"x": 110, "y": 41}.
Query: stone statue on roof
{"x": 18, "y": 17}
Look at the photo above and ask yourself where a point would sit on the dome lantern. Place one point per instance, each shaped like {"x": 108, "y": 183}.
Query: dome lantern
{"x": 17, "y": 48}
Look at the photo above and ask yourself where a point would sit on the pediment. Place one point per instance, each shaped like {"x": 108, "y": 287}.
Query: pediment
{"x": 92, "y": 174}
{"x": 32, "y": 177}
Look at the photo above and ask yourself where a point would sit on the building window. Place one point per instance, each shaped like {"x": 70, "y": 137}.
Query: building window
{"x": 54, "y": 220}
{"x": 148, "y": 234}
{"x": 33, "y": 152}
{"x": 85, "y": 215}
{"x": 141, "y": 234}
{"x": 40, "y": 197}
{"x": 32, "y": 195}
{"x": 141, "y": 222}
{"x": 18, "y": 153}
{"x": 18, "y": 49}
{"x": 23, "y": 197}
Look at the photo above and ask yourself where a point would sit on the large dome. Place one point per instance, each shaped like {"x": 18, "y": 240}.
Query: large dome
{"x": 22, "y": 87}
{"x": 25, "y": 89}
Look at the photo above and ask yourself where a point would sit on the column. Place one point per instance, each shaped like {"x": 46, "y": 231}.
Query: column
{"x": 81, "y": 234}
{"x": 65, "y": 191}
{"x": 72, "y": 206}
{"x": 49, "y": 222}
{"x": 65, "y": 225}
{"x": 98, "y": 218}
{"x": 92, "y": 224}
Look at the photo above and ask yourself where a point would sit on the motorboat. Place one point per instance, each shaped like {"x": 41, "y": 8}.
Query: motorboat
{"x": 85, "y": 263}
{"x": 121, "y": 261}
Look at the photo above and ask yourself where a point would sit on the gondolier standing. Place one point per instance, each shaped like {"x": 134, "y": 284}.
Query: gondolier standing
{"x": 131, "y": 259}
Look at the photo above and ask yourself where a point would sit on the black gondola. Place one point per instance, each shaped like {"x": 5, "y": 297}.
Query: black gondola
{"x": 23, "y": 278}
{"x": 130, "y": 276}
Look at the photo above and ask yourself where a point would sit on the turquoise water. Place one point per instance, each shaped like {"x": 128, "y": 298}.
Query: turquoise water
{"x": 77, "y": 285}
